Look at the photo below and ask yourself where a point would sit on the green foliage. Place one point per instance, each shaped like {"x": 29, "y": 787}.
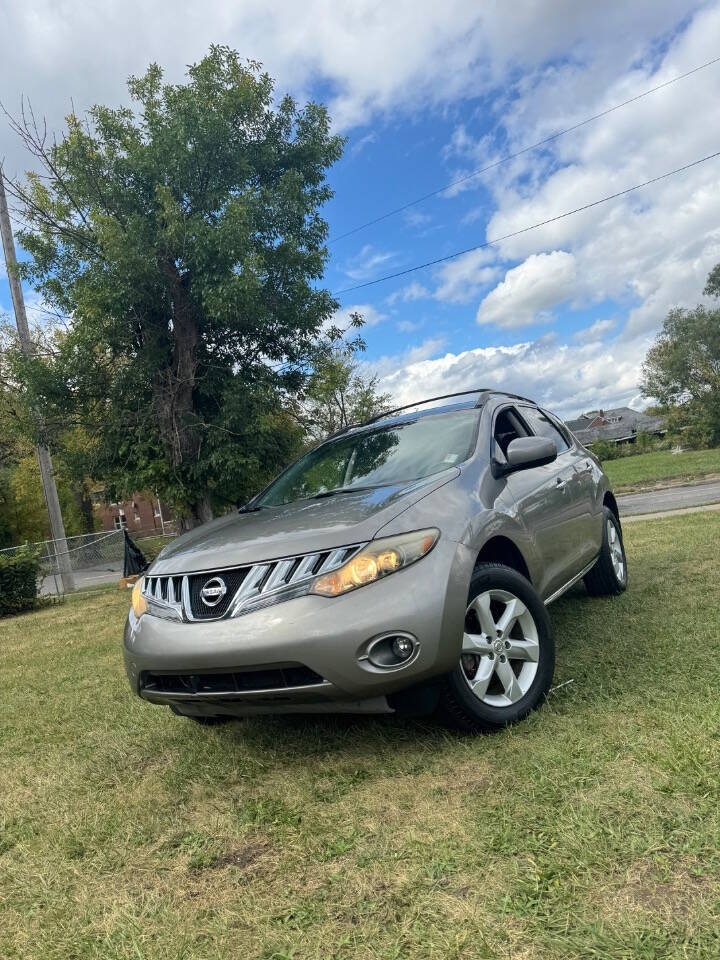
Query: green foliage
{"x": 183, "y": 236}
{"x": 644, "y": 442}
{"x": 19, "y": 573}
{"x": 682, "y": 370}
{"x": 338, "y": 393}
{"x": 23, "y": 514}
{"x": 604, "y": 450}
{"x": 712, "y": 287}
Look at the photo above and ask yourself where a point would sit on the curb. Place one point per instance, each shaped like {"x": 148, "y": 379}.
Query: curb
{"x": 700, "y": 508}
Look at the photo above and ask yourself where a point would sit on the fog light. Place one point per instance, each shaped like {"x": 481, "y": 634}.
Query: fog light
{"x": 392, "y": 651}
{"x": 402, "y": 647}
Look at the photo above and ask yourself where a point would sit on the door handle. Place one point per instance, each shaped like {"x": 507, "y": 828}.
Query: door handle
{"x": 560, "y": 482}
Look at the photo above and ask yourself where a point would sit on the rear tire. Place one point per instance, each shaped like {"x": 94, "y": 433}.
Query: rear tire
{"x": 609, "y": 576}
{"x": 508, "y": 655}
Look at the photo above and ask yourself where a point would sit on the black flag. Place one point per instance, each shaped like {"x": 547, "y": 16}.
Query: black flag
{"x": 134, "y": 561}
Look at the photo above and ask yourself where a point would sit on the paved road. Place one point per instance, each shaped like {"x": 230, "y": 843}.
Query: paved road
{"x": 673, "y": 498}
{"x": 94, "y": 577}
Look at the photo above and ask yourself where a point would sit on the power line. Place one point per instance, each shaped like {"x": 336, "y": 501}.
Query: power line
{"x": 534, "y": 226}
{"x": 519, "y": 153}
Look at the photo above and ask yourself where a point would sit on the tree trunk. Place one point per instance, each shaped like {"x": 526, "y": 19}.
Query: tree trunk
{"x": 200, "y": 512}
{"x": 81, "y": 496}
{"x": 173, "y": 394}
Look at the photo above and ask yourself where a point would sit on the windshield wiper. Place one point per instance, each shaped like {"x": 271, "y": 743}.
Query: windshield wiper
{"x": 338, "y": 490}
{"x": 248, "y": 509}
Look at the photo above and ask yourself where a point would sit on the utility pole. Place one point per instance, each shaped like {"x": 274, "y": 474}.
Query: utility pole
{"x": 57, "y": 527}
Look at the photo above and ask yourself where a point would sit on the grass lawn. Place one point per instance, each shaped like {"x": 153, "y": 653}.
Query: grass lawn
{"x": 589, "y": 831}
{"x": 646, "y": 469}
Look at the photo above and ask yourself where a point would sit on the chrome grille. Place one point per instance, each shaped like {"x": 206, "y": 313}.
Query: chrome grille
{"x": 248, "y": 587}
{"x": 196, "y": 581}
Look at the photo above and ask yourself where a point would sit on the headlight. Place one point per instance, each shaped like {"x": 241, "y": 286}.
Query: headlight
{"x": 379, "y": 559}
{"x": 139, "y": 606}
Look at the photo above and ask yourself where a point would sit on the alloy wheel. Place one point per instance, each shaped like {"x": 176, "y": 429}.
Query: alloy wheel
{"x": 501, "y": 648}
{"x": 617, "y": 555}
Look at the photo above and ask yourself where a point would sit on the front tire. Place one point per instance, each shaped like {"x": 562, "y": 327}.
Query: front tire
{"x": 508, "y": 654}
{"x": 609, "y": 576}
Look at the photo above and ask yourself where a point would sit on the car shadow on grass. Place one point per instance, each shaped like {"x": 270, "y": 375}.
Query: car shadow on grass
{"x": 581, "y": 625}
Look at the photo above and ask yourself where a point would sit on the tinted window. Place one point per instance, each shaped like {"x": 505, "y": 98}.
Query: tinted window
{"x": 372, "y": 458}
{"x": 543, "y": 426}
{"x": 508, "y": 427}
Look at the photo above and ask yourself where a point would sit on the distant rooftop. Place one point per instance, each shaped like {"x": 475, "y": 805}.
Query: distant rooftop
{"x": 617, "y": 424}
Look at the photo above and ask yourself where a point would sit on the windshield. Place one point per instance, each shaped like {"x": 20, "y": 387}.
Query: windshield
{"x": 385, "y": 456}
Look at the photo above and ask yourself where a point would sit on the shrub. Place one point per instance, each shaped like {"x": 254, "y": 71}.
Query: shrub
{"x": 644, "y": 442}
{"x": 604, "y": 450}
{"x": 696, "y": 436}
{"x": 19, "y": 573}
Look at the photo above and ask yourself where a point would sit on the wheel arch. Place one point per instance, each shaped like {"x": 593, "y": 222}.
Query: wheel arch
{"x": 610, "y": 502}
{"x": 501, "y": 549}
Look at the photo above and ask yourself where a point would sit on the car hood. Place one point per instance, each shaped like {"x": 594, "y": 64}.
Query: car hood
{"x": 305, "y": 526}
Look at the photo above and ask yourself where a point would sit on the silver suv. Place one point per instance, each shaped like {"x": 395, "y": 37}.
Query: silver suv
{"x": 404, "y": 565}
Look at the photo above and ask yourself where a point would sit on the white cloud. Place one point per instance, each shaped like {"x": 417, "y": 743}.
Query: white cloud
{"x": 416, "y": 218}
{"x": 546, "y": 64}
{"x": 367, "y": 311}
{"x": 357, "y": 146}
{"x": 541, "y": 282}
{"x": 413, "y": 291}
{"x": 647, "y": 251}
{"x": 375, "y": 58}
{"x": 367, "y": 263}
{"x": 409, "y": 326}
{"x": 566, "y": 379}
{"x": 595, "y": 331}
{"x": 389, "y": 367}
{"x": 459, "y": 280}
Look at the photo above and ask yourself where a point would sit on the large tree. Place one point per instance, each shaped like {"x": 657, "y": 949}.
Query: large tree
{"x": 182, "y": 238}
{"x": 682, "y": 368}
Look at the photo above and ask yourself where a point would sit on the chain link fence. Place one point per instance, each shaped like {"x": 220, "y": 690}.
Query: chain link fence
{"x": 94, "y": 558}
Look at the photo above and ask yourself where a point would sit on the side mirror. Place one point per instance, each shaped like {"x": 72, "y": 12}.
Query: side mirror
{"x": 526, "y": 452}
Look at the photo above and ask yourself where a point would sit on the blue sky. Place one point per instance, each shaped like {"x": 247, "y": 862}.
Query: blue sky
{"x": 426, "y": 94}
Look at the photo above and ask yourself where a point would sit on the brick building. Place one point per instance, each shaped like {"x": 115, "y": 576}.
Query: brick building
{"x": 140, "y": 514}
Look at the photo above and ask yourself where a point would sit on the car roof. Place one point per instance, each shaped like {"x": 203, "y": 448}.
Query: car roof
{"x": 462, "y": 400}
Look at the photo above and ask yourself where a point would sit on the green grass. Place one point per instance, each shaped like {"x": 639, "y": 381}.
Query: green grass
{"x": 647, "y": 469}
{"x": 589, "y": 831}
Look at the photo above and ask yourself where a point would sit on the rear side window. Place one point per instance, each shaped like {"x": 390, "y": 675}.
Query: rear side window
{"x": 542, "y": 426}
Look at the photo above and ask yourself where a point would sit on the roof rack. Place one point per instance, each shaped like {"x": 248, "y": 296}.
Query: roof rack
{"x": 483, "y": 391}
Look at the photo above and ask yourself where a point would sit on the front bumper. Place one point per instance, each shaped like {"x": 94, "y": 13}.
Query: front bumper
{"x": 324, "y": 635}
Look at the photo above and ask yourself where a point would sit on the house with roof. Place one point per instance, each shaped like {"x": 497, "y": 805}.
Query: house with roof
{"x": 619, "y": 425}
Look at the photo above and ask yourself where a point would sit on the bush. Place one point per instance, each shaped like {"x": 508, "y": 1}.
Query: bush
{"x": 644, "y": 442}
{"x": 604, "y": 450}
{"x": 19, "y": 573}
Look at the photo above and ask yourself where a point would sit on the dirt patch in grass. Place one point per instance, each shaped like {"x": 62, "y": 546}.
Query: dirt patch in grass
{"x": 242, "y": 857}
{"x": 679, "y": 894}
